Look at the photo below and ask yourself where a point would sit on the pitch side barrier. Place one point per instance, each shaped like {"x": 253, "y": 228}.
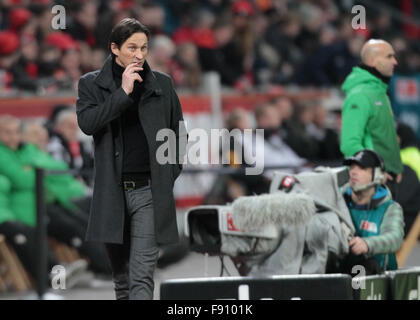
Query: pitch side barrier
{"x": 396, "y": 285}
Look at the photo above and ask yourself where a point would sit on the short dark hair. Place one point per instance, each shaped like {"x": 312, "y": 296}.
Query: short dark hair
{"x": 125, "y": 29}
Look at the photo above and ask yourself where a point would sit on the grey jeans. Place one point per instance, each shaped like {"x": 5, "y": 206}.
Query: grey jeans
{"x": 133, "y": 262}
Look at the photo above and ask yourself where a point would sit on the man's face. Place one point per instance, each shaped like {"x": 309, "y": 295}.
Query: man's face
{"x": 37, "y": 135}
{"x": 68, "y": 128}
{"x": 10, "y": 134}
{"x": 133, "y": 50}
{"x": 360, "y": 176}
{"x": 385, "y": 60}
{"x": 270, "y": 119}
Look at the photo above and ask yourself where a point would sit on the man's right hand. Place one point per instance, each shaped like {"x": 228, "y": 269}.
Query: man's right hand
{"x": 130, "y": 75}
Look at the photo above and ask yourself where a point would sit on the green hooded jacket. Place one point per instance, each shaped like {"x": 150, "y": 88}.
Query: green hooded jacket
{"x": 368, "y": 121}
{"x": 6, "y": 213}
{"x": 18, "y": 166}
{"x": 60, "y": 187}
{"x": 22, "y": 180}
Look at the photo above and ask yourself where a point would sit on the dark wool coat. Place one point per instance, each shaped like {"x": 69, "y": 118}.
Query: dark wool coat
{"x": 99, "y": 107}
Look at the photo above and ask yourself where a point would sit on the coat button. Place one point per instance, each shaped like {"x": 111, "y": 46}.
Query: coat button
{"x": 117, "y": 154}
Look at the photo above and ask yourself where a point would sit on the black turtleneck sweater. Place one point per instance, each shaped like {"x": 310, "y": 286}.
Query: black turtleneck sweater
{"x": 136, "y": 163}
{"x": 376, "y": 73}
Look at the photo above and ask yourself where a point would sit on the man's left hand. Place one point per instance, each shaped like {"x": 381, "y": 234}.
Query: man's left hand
{"x": 358, "y": 246}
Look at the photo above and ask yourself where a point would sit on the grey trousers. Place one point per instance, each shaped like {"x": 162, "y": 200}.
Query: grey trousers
{"x": 133, "y": 262}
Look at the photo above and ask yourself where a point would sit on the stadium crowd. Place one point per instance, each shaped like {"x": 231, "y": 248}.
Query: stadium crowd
{"x": 252, "y": 44}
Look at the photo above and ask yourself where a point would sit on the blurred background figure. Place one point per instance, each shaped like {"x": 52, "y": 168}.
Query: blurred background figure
{"x": 162, "y": 51}
{"x": 277, "y": 152}
{"x": 296, "y": 134}
{"x": 65, "y": 145}
{"x": 409, "y": 198}
{"x": 326, "y": 137}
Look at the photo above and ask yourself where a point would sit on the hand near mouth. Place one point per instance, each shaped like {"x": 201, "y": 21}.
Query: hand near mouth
{"x": 129, "y": 76}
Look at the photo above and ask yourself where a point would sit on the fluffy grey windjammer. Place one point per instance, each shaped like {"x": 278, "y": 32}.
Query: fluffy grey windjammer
{"x": 255, "y": 212}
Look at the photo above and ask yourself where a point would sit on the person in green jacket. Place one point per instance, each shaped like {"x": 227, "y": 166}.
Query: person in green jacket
{"x": 22, "y": 239}
{"x": 367, "y": 117}
{"x": 17, "y": 163}
{"x": 378, "y": 219}
{"x": 18, "y": 235}
{"x": 63, "y": 188}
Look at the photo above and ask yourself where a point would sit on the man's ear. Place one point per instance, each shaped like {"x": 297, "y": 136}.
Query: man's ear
{"x": 114, "y": 49}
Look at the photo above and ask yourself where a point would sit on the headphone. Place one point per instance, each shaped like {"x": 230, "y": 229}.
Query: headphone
{"x": 378, "y": 173}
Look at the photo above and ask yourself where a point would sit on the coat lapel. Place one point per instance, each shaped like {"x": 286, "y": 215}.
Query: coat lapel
{"x": 105, "y": 78}
{"x": 150, "y": 82}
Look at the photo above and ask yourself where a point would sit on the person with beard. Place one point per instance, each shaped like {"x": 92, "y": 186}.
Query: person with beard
{"x": 367, "y": 118}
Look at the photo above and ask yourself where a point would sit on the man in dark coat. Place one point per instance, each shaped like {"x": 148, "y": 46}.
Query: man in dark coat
{"x": 124, "y": 105}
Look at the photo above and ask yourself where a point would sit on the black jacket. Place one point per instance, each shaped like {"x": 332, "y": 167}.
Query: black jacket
{"x": 99, "y": 107}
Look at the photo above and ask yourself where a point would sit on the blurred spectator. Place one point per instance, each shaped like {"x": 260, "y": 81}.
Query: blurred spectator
{"x": 331, "y": 63}
{"x": 18, "y": 17}
{"x": 97, "y": 59}
{"x": 410, "y": 182}
{"x": 71, "y": 66}
{"x": 17, "y": 162}
{"x": 285, "y": 108}
{"x": 327, "y": 138}
{"x": 270, "y": 42}
{"x": 152, "y": 14}
{"x": 82, "y": 21}
{"x": 312, "y": 19}
{"x": 410, "y": 198}
{"x": 296, "y": 134}
{"x": 65, "y": 145}
{"x": 246, "y": 146}
{"x": 114, "y": 11}
{"x": 409, "y": 145}
{"x": 37, "y": 135}
{"x": 187, "y": 70}
{"x": 239, "y": 52}
{"x": 25, "y": 71}
{"x": 50, "y": 121}
{"x": 161, "y": 53}
{"x": 276, "y": 151}
{"x": 252, "y": 44}
{"x": 282, "y": 35}
{"x": 49, "y": 61}
{"x": 266, "y": 58}
{"x": 383, "y": 27}
{"x": 22, "y": 239}
{"x": 240, "y": 148}
{"x": 212, "y": 52}
{"x": 9, "y": 55}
